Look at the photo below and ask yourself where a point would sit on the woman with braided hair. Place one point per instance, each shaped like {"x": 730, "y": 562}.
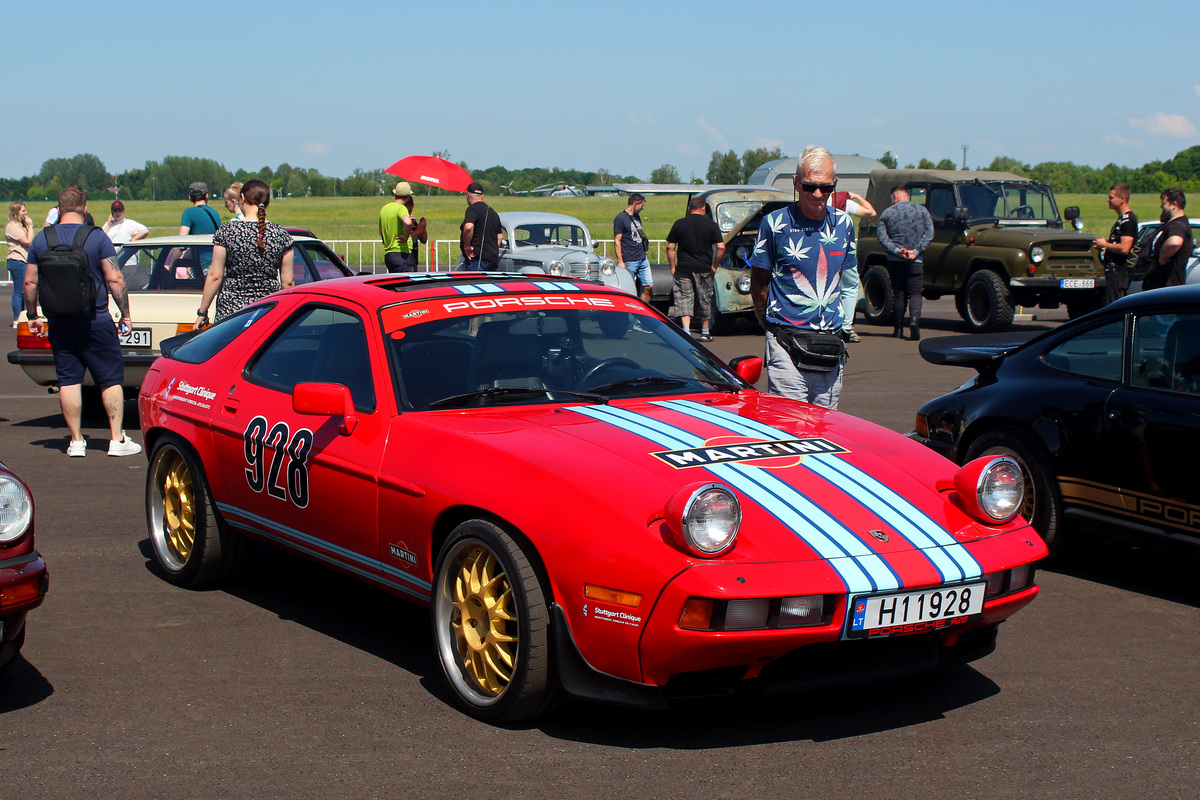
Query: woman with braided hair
{"x": 251, "y": 258}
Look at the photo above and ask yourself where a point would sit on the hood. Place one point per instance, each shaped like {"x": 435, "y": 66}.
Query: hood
{"x": 1028, "y": 235}
{"x": 813, "y": 484}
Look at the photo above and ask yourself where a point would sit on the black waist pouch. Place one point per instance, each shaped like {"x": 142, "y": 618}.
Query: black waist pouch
{"x": 811, "y": 351}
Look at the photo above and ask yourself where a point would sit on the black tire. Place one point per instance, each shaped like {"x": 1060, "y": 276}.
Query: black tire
{"x": 507, "y": 674}
{"x": 1043, "y": 505}
{"x": 877, "y": 296}
{"x": 192, "y": 545}
{"x": 984, "y": 303}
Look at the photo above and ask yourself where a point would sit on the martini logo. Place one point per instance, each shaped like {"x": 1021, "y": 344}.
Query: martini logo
{"x": 402, "y": 552}
{"x": 780, "y": 452}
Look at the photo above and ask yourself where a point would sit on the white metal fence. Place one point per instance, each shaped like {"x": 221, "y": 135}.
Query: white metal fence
{"x": 366, "y": 255}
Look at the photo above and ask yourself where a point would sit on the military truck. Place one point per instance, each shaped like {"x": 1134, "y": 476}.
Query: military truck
{"x": 998, "y": 243}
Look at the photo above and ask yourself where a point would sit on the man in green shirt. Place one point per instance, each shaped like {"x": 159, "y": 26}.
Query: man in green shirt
{"x": 398, "y": 230}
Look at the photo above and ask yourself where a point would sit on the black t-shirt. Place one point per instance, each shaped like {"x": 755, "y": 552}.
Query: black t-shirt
{"x": 1173, "y": 273}
{"x": 1126, "y": 225}
{"x": 487, "y": 228}
{"x": 694, "y": 236}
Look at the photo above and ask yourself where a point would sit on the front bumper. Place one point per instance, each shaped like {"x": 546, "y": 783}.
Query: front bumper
{"x": 680, "y": 664}
{"x": 24, "y": 581}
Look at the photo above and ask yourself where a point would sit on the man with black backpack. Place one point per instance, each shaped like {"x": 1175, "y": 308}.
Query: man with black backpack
{"x": 71, "y": 269}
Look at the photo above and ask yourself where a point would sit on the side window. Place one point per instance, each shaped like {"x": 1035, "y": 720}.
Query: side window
{"x": 300, "y": 273}
{"x": 941, "y": 204}
{"x": 1166, "y": 352}
{"x": 327, "y": 264}
{"x": 919, "y": 195}
{"x": 1095, "y": 353}
{"x": 319, "y": 345}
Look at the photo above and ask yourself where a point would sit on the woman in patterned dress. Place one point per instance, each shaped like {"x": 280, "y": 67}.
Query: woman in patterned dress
{"x": 251, "y": 258}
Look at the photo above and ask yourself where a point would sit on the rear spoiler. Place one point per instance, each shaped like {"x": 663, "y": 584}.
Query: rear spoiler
{"x": 977, "y": 351}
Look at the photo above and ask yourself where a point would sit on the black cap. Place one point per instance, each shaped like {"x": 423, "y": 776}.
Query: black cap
{"x": 474, "y": 188}
{"x": 118, "y": 205}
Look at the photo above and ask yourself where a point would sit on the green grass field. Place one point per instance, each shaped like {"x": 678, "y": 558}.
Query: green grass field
{"x": 357, "y": 217}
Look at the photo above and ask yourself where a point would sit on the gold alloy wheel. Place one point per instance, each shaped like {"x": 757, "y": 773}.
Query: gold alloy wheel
{"x": 483, "y": 619}
{"x": 179, "y": 507}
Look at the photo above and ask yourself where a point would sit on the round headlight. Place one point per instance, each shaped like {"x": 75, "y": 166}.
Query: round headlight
{"x": 555, "y": 268}
{"x": 16, "y": 509}
{"x": 1036, "y": 254}
{"x": 1001, "y": 489}
{"x": 743, "y": 284}
{"x": 608, "y": 267}
{"x": 708, "y": 518}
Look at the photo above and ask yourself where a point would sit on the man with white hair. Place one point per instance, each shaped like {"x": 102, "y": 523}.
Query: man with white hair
{"x": 798, "y": 260}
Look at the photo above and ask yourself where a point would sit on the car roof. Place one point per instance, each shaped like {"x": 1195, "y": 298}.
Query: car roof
{"x": 902, "y": 176}
{"x": 1193, "y": 221}
{"x": 1172, "y": 295}
{"x": 537, "y": 217}
{"x": 192, "y": 239}
{"x": 385, "y": 289}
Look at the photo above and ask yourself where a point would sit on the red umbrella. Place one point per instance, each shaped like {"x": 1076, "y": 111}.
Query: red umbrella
{"x": 432, "y": 171}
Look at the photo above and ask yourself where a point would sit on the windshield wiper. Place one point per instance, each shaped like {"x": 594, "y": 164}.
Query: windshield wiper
{"x": 512, "y": 391}
{"x": 644, "y": 380}
{"x": 724, "y": 386}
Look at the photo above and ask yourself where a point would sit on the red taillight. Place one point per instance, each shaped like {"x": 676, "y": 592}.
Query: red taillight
{"x": 27, "y": 341}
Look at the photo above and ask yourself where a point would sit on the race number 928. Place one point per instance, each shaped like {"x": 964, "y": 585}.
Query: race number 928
{"x": 277, "y": 460}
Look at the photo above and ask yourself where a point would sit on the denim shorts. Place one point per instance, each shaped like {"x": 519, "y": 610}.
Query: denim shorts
{"x": 87, "y": 344}
{"x": 640, "y": 270}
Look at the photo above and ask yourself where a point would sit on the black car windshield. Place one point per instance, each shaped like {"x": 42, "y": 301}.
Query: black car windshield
{"x": 597, "y": 354}
{"x": 559, "y": 235}
{"x": 1008, "y": 201}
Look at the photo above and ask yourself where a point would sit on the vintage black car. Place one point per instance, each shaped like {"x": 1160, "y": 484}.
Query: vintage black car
{"x": 1102, "y": 414}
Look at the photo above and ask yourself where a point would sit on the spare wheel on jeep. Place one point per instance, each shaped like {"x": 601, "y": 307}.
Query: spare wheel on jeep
{"x": 877, "y": 296}
{"x": 984, "y": 303}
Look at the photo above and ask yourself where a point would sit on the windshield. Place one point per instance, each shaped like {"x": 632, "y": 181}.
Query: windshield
{"x": 561, "y": 235}
{"x": 540, "y": 356}
{"x": 1008, "y": 201}
{"x": 164, "y": 268}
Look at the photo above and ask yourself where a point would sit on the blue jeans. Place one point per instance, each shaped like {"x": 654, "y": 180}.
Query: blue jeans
{"x": 640, "y": 270}
{"x": 849, "y": 290}
{"x": 477, "y": 264}
{"x": 16, "y": 268}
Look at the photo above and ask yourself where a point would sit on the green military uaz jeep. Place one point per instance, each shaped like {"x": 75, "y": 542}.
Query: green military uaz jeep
{"x": 998, "y": 243}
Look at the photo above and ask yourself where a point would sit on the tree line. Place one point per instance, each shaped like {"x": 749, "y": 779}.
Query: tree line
{"x": 169, "y": 178}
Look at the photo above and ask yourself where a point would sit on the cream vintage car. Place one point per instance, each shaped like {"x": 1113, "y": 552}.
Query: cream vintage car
{"x": 165, "y": 278}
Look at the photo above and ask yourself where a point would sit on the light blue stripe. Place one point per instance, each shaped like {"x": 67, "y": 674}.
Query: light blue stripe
{"x": 317, "y": 546}
{"x": 947, "y": 555}
{"x": 859, "y": 568}
{"x": 554, "y": 286}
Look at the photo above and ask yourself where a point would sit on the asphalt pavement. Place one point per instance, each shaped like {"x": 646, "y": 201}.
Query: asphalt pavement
{"x": 300, "y": 683}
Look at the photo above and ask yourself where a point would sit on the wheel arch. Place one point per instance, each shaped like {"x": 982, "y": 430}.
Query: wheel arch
{"x": 452, "y": 517}
{"x": 985, "y": 263}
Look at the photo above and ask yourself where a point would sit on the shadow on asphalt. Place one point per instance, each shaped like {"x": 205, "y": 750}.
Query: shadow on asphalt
{"x": 742, "y": 721}
{"x": 22, "y": 686}
{"x": 397, "y": 631}
{"x": 334, "y": 605}
{"x": 1169, "y": 576}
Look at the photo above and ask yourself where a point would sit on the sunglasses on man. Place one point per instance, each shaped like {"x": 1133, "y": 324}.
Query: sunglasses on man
{"x": 826, "y": 188}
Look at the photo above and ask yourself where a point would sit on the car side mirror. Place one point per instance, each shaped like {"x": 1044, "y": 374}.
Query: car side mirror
{"x": 504, "y": 244}
{"x": 1071, "y": 213}
{"x": 961, "y": 214}
{"x": 326, "y": 400}
{"x": 748, "y": 368}
{"x": 595, "y": 245}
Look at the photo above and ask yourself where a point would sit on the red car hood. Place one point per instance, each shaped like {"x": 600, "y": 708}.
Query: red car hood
{"x": 813, "y": 484}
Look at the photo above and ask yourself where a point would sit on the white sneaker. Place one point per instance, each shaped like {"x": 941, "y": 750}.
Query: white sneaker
{"x": 77, "y": 449}
{"x": 125, "y": 447}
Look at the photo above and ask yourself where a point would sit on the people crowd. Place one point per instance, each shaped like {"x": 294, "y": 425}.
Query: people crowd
{"x": 803, "y": 270}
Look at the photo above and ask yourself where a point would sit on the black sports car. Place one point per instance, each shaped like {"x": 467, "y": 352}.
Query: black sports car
{"x": 1102, "y": 414}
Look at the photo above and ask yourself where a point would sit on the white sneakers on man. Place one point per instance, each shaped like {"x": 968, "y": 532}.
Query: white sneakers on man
{"x": 77, "y": 449}
{"x": 125, "y": 447}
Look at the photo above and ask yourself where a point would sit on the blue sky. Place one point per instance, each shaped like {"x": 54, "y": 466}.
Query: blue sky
{"x": 622, "y": 86}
